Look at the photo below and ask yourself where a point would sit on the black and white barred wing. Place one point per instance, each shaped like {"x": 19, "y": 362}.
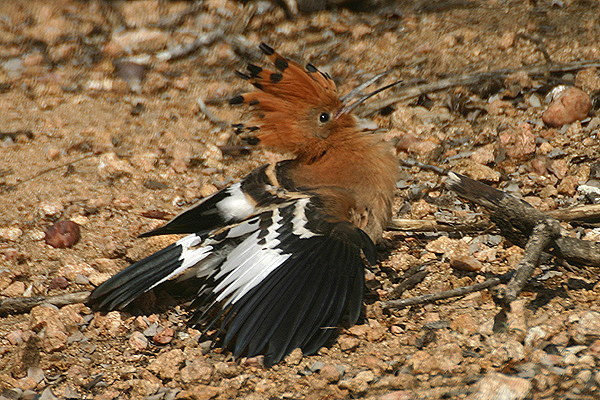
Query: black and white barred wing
{"x": 217, "y": 224}
{"x": 199, "y": 255}
{"x": 281, "y": 279}
{"x": 291, "y": 283}
{"x": 227, "y": 206}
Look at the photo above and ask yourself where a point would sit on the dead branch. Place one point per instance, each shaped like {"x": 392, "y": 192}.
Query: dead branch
{"x": 521, "y": 223}
{"x": 418, "y": 225}
{"x": 20, "y": 305}
{"x": 543, "y": 234}
{"x": 517, "y": 219}
{"x": 582, "y": 213}
{"x": 461, "y": 291}
{"x": 403, "y": 93}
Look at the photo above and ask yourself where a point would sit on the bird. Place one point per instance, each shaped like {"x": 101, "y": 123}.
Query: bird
{"x": 279, "y": 257}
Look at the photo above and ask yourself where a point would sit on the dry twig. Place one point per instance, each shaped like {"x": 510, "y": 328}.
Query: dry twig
{"x": 419, "y": 225}
{"x": 542, "y": 236}
{"x": 461, "y": 291}
{"x": 211, "y": 117}
{"x": 203, "y": 40}
{"x": 411, "y": 278}
{"x": 517, "y": 219}
{"x": 522, "y": 224}
{"x": 527, "y": 227}
{"x": 414, "y": 163}
{"x": 403, "y": 93}
{"x": 48, "y": 170}
{"x": 539, "y": 44}
{"x": 19, "y": 305}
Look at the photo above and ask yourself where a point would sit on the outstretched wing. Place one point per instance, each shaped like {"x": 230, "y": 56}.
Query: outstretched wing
{"x": 265, "y": 185}
{"x": 290, "y": 284}
{"x": 284, "y": 278}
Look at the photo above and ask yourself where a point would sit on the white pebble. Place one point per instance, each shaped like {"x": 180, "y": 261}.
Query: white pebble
{"x": 80, "y": 219}
{"x": 10, "y": 233}
{"x": 36, "y": 235}
{"x": 52, "y": 208}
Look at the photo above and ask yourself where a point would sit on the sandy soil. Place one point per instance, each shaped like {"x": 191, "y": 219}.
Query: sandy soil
{"x": 77, "y": 143}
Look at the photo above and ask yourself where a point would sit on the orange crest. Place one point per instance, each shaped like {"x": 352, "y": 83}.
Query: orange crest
{"x": 295, "y": 109}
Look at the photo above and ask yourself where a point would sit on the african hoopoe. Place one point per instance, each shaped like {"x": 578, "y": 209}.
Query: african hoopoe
{"x": 280, "y": 254}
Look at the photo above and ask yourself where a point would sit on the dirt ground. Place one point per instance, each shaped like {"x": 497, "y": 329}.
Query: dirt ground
{"x": 84, "y": 138}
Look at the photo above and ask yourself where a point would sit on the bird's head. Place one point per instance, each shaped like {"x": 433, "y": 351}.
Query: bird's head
{"x": 295, "y": 108}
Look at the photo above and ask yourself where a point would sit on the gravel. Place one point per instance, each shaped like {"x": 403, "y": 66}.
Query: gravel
{"x": 116, "y": 151}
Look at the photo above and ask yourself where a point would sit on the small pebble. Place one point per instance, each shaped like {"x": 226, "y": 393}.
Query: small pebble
{"x": 71, "y": 393}
{"x": 539, "y": 165}
{"x": 499, "y": 386}
{"x": 15, "y": 289}
{"x": 63, "y": 234}
{"x": 534, "y": 335}
{"x": 568, "y": 185}
{"x": 466, "y": 263}
{"x": 317, "y": 366}
{"x": 52, "y": 208}
{"x": 15, "y": 337}
{"x": 36, "y": 373}
{"x": 10, "y": 233}
{"x": 152, "y": 330}
{"x": 131, "y": 72}
{"x": 359, "y": 384}
{"x": 294, "y": 357}
{"x": 484, "y": 155}
{"x": 347, "y": 343}
{"x": 164, "y": 337}
{"x": 197, "y": 370}
{"x": 330, "y": 373}
{"x": 29, "y": 394}
{"x": 58, "y": 282}
{"x": 256, "y": 361}
{"x": 397, "y": 395}
{"x": 519, "y": 142}
{"x": 477, "y": 171}
{"x": 571, "y": 105}
{"x": 535, "y": 101}
{"x": 422, "y": 362}
{"x": 507, "y": 40}
{"x": 80, "y": 220}
{"x": 36, "y": 235}
{"x": 451, "y": 248}
{"x": 138, "y": 341}
{"x": 52, "y": 153}
{"x": 81, "y": 279}
{"x": 47, "y": 394}
{"x": 227, "y": 370}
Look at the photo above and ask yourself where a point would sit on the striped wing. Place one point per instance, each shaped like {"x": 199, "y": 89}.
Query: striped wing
{"x": 281, "y": 279}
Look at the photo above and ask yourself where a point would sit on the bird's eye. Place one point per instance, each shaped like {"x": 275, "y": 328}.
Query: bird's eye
{"x": 324, "y": 117}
